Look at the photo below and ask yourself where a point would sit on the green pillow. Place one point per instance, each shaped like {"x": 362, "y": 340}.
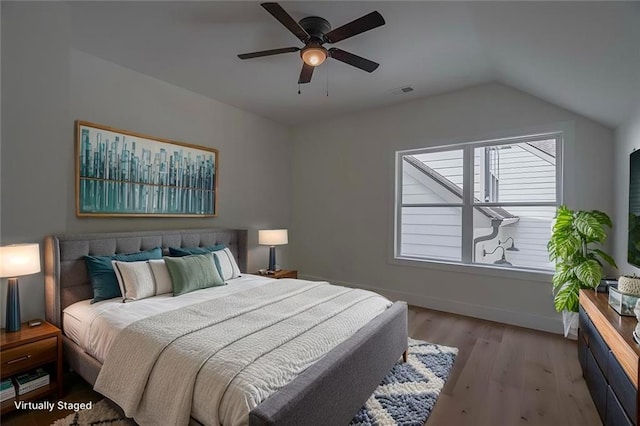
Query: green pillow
{"x": 193, "y": 272}
{"x": 186, "y": 251}
{"x": 103, "y": 277}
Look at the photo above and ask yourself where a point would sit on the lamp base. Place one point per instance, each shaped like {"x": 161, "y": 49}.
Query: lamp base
{"x": 12, "y": 322}
{"x": 272, "y": 258}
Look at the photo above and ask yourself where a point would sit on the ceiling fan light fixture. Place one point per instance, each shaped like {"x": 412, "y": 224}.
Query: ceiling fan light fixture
{"x": 315, "y": 31}
{"x": 314, "y": 55}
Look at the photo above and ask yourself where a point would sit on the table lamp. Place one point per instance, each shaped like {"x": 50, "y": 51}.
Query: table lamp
{"x": 17, "y": 260}
{"x": 272, "y": 238}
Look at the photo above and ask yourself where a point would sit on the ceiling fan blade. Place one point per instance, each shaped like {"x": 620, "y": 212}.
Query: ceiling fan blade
{"x": 285, "y": 19}
{"x": 305, "y": 74}
{"x": 354, "y": 60}
{"x": 360, "y": 25}
{"x": 268, "y": 52}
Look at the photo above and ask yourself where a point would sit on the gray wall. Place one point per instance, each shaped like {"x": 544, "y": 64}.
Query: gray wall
{"x": 627, "y": 139}
{"x": 36, "y": 132}
{"x": 335, "y": 181}
{"x": 343, "y": 197}
{"x": 47, "y": 85}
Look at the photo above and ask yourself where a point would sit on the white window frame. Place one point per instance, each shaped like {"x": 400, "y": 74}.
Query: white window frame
{"x": 468, "y": 204}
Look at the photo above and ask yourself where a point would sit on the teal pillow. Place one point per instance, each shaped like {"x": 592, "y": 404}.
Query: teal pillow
{"x": 103, "y": 277}
{"x": 186, "y": 251}
{"x": 193, "y": 272}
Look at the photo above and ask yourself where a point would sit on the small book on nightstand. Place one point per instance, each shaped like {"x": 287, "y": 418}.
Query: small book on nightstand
{"x": 7, "y": 390}
{"x": 31, "y": 380}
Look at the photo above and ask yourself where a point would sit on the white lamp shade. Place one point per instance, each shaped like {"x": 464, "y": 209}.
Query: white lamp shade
{"x": 19, "y": 259}
{"x": 273, "y": 237}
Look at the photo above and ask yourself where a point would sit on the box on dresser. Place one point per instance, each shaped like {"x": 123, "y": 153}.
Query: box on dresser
{"x": 623, "y": 303}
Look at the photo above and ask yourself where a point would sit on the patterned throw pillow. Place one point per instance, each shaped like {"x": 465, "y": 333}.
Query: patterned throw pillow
{"x": 194, "y": 272}
{"x": 136, "y": 280}
{"x": 161, "y": 276}
{"x": 226, "y": 264}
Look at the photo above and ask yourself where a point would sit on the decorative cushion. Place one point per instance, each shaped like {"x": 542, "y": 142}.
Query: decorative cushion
{"x": 103, "y": 278}
{"x": 161, "y": 276}
{"x": 135, "y": 279}
{"x": 226, "y": 264}
{"x": 186, "y": 251}
{"x": 194, "y": 272}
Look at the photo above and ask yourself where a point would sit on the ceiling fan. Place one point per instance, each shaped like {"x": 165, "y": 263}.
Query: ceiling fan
{"x": 314, "y": 31}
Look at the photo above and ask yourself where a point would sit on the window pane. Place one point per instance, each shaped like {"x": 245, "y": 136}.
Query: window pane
{"x": 434, "y": 177}
{"x": 431, "y": 232}
{"x": 521, "y": 241}
{"x": 518, "y": 172}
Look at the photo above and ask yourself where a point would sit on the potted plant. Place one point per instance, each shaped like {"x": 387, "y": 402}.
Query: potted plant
{"x": 578, "y": 262}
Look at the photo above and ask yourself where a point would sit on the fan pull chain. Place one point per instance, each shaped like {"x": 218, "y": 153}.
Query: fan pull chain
{"x": 298, "y": 88}
{"x": 327, "y": 79}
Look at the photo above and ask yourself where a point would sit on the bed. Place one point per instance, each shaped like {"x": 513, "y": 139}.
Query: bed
{"x": 330, "y": 391}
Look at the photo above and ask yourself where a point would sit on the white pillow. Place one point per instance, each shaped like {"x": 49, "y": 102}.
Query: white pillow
{"x": 228, "y": 266}
{"x": 135, "y": 279}
{"x": 161, "y": 275}
{"x": 119, "y": 278}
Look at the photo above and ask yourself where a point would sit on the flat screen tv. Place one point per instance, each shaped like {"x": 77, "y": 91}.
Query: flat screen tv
{"x": 634, "y": 209}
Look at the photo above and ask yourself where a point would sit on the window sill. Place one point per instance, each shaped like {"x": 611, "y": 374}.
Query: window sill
{"x": 475, "y": 269}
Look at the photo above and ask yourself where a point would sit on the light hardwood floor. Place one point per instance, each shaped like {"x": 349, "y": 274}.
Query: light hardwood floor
{"x": 503, "y": 376}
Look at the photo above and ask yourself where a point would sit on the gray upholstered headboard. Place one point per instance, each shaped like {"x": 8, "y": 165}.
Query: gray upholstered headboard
{"x": 66, "y": 278}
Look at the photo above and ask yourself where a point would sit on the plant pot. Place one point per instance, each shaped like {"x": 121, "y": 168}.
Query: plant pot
{"x": 629, "y": 285}
{"x": 570, "y": 324}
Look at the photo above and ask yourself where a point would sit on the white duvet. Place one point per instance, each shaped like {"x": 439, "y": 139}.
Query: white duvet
{"x": 94, "y": 326}
{"x": 215, "y": 360}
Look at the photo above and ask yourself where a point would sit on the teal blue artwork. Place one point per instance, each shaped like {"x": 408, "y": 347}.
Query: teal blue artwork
{"x": 120, "y": 173}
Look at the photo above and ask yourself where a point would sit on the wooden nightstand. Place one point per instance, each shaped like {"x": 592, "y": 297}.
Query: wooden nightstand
{"x": 282, "y": 273}
{"x": 27, "y": 349}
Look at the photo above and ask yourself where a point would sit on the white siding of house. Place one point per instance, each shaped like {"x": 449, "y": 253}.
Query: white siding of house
{"x": 436, "y": 232}
{"x": 531, "y": 234}
{"x": 525, "y": 176}
{"x": 431, "y": 232}
{"x": 447, "y": 163}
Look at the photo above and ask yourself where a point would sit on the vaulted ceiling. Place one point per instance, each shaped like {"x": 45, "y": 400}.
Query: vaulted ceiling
{"x": 584, "y": 56}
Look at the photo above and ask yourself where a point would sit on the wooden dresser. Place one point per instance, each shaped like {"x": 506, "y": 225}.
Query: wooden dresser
{"x": 609, "y": 358}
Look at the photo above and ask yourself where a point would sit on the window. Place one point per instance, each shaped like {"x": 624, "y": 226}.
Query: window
{"x": 489, "y": 203}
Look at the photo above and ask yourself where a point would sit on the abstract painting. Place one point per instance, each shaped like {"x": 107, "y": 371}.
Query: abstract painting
{"x": 121, "y": 173}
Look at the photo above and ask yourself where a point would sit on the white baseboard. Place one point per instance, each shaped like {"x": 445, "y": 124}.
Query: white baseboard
{"x": 536, "y": 322}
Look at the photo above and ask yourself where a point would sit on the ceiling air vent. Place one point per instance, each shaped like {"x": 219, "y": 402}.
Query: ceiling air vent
{"x": 401, "y": 90}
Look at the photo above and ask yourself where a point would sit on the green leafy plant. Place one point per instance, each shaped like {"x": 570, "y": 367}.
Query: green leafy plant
{"x": 578, "y": 263}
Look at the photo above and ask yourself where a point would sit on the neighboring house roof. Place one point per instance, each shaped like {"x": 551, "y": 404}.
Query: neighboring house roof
{"x": 490, "y": 212}
{"x": 547, "y": 146}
